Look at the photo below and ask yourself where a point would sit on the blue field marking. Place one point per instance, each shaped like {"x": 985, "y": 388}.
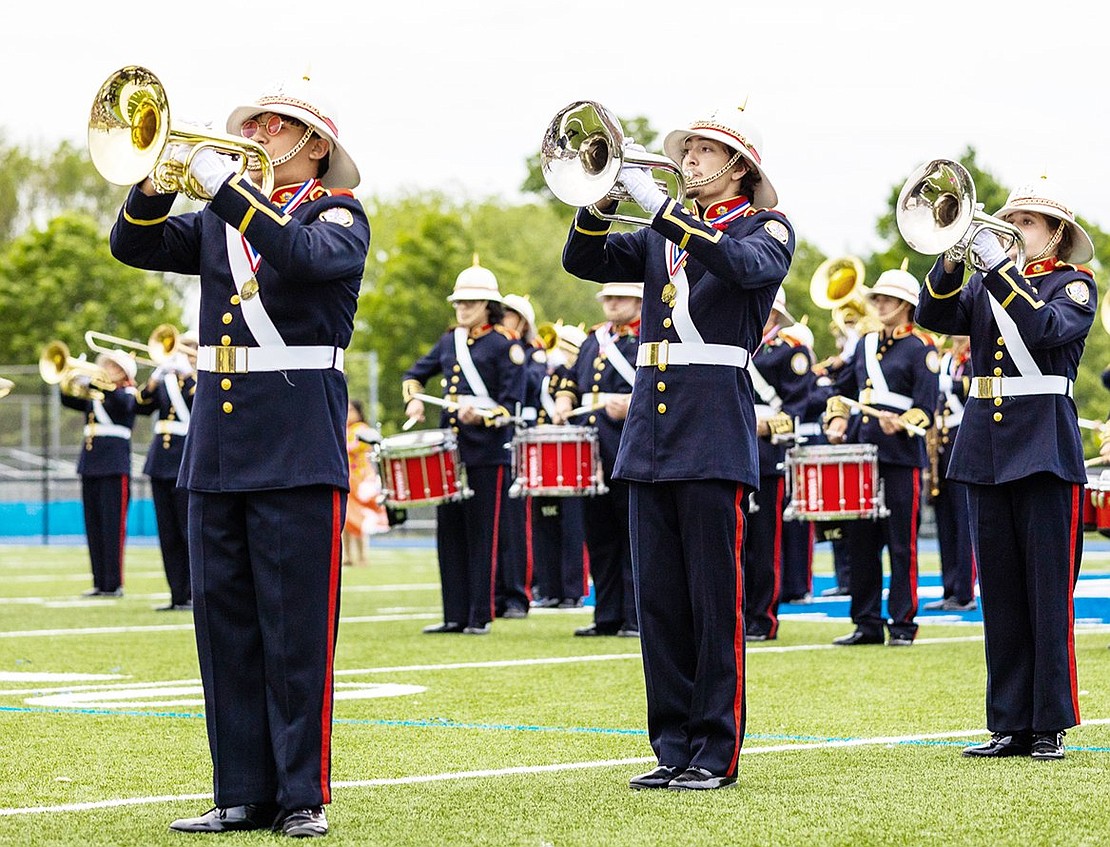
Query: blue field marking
{"x": 1092, "y": 601}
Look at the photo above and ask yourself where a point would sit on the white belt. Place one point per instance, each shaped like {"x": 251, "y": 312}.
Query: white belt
{"x": 97, "y": 430}
{"x": 813, "y": 429}
{"x": 871, "y": 396}
{"x": 171, "y": 427}
{"x": 989, "y": 387}
{"x": 241, "y": 360}
{"x": 662, "y": 353}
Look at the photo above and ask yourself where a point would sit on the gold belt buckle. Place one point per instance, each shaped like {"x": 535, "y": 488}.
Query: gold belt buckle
{"x": 985, "y": 387}
{"x": 657, "y": 354}
{"x": 225, "y": 360}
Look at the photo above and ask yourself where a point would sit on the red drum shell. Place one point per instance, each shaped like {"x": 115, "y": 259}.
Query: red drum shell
{"x": 557, "y": 461}
{"x": 422, "y": 468}
{"x": 832, "y": 482}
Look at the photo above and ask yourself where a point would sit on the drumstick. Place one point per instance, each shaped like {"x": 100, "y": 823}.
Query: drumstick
{"x": 871, "y": 410}
{"x": 1097, "y": 460}
{"x": 447, "y": 404}
{"x": 1087, "y": 423}
{"x": 409, "y": 424}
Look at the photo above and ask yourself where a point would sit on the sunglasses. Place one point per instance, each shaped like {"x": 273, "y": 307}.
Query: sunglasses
{"x": 273, "y": 125}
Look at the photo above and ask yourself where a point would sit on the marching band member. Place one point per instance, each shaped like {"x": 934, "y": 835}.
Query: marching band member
{"x": 105, "y": 469}
{"x": 1020, "y": 453}
{"x": 780, "y": 374}
{"x": 957, "y": 565}
{"x": 483, "y": 368}
{"x": 557, "y": 536}
{"x": 798, "y": 537}
{"x": 265, "y": 461}
{"x": 893, "y": 370}
{"x": 168, "y": 396}
{"x": 512, "y": 596}
{"x": 688, "y": 449}
{"x": 603, "y": 377}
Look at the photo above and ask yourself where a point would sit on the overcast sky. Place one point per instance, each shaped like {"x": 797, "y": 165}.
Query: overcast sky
{"x": 849, "y": 96}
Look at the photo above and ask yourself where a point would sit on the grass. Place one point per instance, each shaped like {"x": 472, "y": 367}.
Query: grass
{"x": 845, "y": 746}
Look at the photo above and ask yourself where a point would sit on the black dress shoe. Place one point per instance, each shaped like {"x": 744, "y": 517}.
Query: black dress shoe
{"x": 835, "y": 592}
{"x": 1002, "y": 744}
{"x": 756, "y": 636}
{"x": 303, "y": 823}
{"x": 699, "y": 779}
{"x": 481, "y": 629}
{"x": 546, "y": 603}
{"x": 439, "y": 628}
{"x": 660, "y": 777}
{"x": 570, "y": 603}
{"x": 1048, "y": 745}
{"x": 230, "y": 819}
{"x": 514, "y": 613}
{"x": 626, "y": 632}
{"x": 858, "y": 637}
{"x": 593, "y": 629}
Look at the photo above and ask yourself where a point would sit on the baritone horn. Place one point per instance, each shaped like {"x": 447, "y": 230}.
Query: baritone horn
{"x": 131, "y": 137}
{"x": 75, "y": 377}
{"x": 936, "y": 211}
{"x": 166, "y": 341}
{"x": 581, "y": 156}
{"x": 837, "y": 285}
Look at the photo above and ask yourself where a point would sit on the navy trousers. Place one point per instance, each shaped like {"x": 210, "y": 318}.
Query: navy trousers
{"x": 467, "y": 539}
{"x": 556, "y": 539}
{"x": 171, "y": 510}
{"x": 898, "y": 533}
{"x": 687, "y": 554}
{"x": 607, "y": 539}
{"x": 1028, "y": 542}
{"x": 763, "y": 558}
{"x": 104, "y": 501}
{"x": 957, "y": 566}
{"x": 265, "y": 570}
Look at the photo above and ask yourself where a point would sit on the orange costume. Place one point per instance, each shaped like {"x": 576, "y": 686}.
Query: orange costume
{"x": 366, "y": 515}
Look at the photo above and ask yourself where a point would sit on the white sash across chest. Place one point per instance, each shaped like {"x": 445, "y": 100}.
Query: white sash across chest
{"x": 607, "y": 347}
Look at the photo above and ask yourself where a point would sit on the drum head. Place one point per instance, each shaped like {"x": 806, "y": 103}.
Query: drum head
{"x": 418, "y": 442}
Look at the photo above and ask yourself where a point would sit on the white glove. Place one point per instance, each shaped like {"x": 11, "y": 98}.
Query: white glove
{"x": 988, "y": 250}
{"x": 210, "y": 170}
{"x": 179, "y": 364}
{"x": 638, "y": 182}
{"x": 160, "y": 372}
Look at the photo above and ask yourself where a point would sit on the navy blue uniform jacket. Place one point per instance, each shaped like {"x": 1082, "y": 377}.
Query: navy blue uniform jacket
{"x": 1053, "y": 306}
{"x": 106, "y": 455}
{"x": 284, "y": 429}
{"x": 691, "y": 421}
{"x": 499, "y": 357}
{"x": 163, "y": 458}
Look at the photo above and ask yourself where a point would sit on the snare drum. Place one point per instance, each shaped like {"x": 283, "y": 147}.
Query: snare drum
{"x": 422, "y": 468}
{"x": 557, "y": 461}
{"x": 834, "y": 482}
{"x": 1096, "y": 503}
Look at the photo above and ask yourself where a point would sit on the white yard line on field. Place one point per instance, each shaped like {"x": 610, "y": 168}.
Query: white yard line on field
{"x": 517, "y": 771}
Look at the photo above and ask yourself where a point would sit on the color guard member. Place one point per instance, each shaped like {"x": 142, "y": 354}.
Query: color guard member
{"x": 168, "y": 396}
{"x": 780, "y": 374}
{"x": 1020, "y": 453}
{"x": 265, "y": 460}
{"x": 483, "y": 368}
{"x": 688, "y": 448}
{"x": 957, "y": 565}
{"x": 105, "y": 470}
{"x": 602, "y": 379}
{"x": 894, "y": 370}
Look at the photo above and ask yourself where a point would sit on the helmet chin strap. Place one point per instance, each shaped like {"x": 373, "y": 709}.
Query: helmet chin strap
{"x": 705, "y": 180}
{"x": 285, "y": 157}
{"x": 1050, "y": 248}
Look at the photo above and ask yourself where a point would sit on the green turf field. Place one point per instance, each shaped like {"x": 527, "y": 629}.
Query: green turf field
{"x": 524, "y": 737}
